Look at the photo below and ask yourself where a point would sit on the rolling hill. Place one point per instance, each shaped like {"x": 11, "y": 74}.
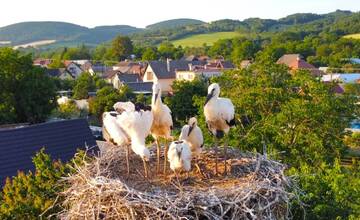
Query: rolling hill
{"x": 174, "y": 23}
{"x": 198, "y": 40}
{"x": 27, "y": 32}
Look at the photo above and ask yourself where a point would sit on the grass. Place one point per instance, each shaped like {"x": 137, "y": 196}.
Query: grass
{"x": 199, "y": 39}
{"x": 353, "y": 36}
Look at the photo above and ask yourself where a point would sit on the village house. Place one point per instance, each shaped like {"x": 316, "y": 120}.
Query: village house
{"x": 130, "y": 67}
{"x": 96, "y": 68}
{"x": 60, "y": 73}
{"x": 118, "y": 79}
{"x": 42, "y": 62}
{"x": 203, "y": 69}
{"x": 73, "y": 68}
{"x": 163, "y": 72}
{"x": 295, "y": 62}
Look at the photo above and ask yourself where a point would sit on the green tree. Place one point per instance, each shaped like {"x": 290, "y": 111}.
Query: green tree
{"x": 181, "y": 104}
{"x": 149, "y": 54}
{"x": 121, "y": 48}
{"x": 168, "y": 50}
{"x": 27, "y": 94}
{"x": 105, "y": 99}
{"x": 84, "y": 84}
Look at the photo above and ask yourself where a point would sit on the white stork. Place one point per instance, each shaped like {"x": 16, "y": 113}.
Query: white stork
{"x": 132, "y": 127}
{"x": 162, "y": 124}
{"x": 192, "y": 134}
{"x": 220, "y": 117}
{"x": 179, "y": 156}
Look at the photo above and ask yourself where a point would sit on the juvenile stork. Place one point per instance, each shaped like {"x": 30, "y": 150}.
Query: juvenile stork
{"x": 130, "y": 128}
{"x": 162, "y": 124}
{"x": 179, "y": 156}
{"x": 220, "y": 117}
{"x": 137, "y": 125}
{"x": 192, "y": 134}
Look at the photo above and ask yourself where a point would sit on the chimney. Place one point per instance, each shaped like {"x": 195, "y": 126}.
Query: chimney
{"x": 168, "y": 64}
{"x": 190, "y": 66}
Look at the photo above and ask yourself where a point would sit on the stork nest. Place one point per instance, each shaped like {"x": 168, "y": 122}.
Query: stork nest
{"x": 255, "y": 187}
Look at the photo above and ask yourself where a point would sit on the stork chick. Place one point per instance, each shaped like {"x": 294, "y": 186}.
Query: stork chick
{"x": 179, "y": 156}
{"x": 162, "y": 124}
{"x": 192, "y": 134}
{"x": 220, "y": 117}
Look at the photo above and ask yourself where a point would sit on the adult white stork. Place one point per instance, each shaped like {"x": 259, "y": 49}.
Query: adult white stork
{"x": 162, "y": 124}
{"x": 179, "y": 156}
{"x": 220, "y": 117}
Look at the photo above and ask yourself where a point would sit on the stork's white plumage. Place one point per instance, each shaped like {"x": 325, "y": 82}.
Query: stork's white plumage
{"x": 112, "y": 131}
{"x": 179, "y": 156}
{"x": 134, "y": 125}
{"x": 219, "y": 115}
{"x": 193, "y": 135}
{"x": 162, "y": 124}
{"x": 124, "y": 106}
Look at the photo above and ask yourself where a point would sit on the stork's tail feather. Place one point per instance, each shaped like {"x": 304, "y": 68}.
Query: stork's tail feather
{"x": 232, "y": 122}
{"x": 219, "y": 134}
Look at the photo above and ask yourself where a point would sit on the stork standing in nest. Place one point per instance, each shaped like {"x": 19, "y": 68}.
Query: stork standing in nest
{"x": 220, "y": 117}
{"x": 179, "y": 156}
{"x": 134, "y": 124}
{"x": 192, "y": 134}
{"x": 162, "y": 124}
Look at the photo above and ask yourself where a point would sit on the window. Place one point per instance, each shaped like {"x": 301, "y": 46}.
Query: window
{"x": 149, "y": 76}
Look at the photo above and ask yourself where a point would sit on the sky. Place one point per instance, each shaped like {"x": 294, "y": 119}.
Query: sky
{"x": 139, "y": 13}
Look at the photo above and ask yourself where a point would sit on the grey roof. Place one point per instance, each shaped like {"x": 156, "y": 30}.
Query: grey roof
{"x": 60, "y": 139}
{"x": 140, "y": 87}
{"x": 160, "y": 68}
{"x": 53, "y": 72}
{"x": 128, "y": 77}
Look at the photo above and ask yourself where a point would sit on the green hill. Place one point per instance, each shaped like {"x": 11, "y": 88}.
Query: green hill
{"x": 199, "y": 39}
{"x": 174, "y": 23}
{"x": 27, "y": 32}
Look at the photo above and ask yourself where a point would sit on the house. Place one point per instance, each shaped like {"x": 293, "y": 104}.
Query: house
{"x": 130, "y": 67}
{"x": 295, "y": 62}
{"x": 60, "y": 139}
{"x": 141, "y": 87}
{"x": 42, "y": 62}
{"x": 203, "y": 69}
{"x": 163, "y": 72}
{"x": 60, "y": 73}
{"x": 73, "y": 68}
{"x": 97, "y": 68}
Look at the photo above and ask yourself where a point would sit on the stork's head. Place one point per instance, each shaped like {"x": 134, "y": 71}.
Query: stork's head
{"x": 179, "y": 147}
{"x": 213, "y": 91}
{"x": 156, "y": 93}
{"x": 192, "y": 123}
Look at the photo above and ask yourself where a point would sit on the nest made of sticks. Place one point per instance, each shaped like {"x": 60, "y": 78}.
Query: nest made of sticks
{"x": 254, "y": 188}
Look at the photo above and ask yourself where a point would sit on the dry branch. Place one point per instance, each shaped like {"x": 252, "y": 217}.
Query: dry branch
{"x": 256, "y": 188}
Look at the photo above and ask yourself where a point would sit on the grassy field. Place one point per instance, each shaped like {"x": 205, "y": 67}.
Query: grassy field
{"x": 199, "y": 39}
{"x": 354, "y": 36}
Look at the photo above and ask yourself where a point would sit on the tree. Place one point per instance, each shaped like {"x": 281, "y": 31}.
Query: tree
{"x": 27, "y": 196}
{"x": 27, "y": 94}
{"x": 84, "y": 84}
{"x": 293, "y": 114}
{"x": 121, "y": 47}
{"x": 105, "y": 99}
{"x": 168, "y": 50}
{"x": 149, "y": 54}
{"x": 181, "y": 104}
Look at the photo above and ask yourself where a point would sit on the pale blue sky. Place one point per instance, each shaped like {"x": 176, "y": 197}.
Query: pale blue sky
{"x": 140, "y": 13}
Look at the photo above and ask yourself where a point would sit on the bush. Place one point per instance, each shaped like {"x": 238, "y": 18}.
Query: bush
{"x": 330, "y": 191}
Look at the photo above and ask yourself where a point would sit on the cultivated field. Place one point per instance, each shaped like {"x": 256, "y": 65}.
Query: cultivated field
{"x": 199, "y": 39}
{"x": 35, "y": 44}
{"x": 354, "y": 36}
